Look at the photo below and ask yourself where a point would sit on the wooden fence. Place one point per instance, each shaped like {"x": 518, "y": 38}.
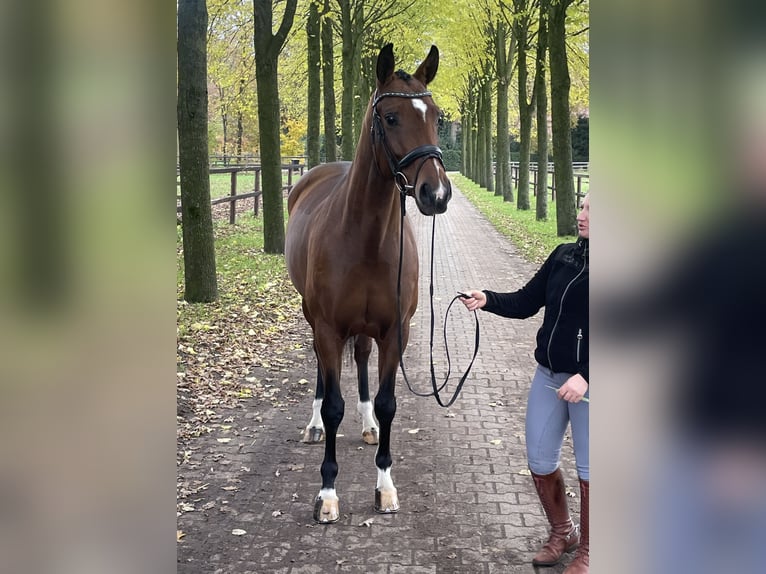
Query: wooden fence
{"x": 227, "y": 160}
{"x": 293, "y": 167}
{"x": 579, "y": 169}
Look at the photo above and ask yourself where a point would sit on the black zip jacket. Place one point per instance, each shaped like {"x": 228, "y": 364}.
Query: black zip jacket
{"x": 561, "y": 286}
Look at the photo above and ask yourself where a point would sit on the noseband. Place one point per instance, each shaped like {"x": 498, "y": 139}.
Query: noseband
{"x": 424, "y": 151}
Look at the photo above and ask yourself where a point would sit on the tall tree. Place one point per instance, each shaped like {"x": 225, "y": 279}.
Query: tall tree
{"x": 486, "y": 134}
{"x": 348, "y": 60}
{"x": 268, "y": 45}
{"x": 198, "y": 242}
{"x": 503, "y": 59}
{"x": 521, "y": 26}
{"x": 328, "y": 81}
{"x": 314, "y": 87}
{"x": 541, "y": 94}
{"x": 566, "y": 215}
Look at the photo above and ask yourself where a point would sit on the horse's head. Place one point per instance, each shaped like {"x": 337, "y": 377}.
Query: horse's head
{"x": 404, "y": 125}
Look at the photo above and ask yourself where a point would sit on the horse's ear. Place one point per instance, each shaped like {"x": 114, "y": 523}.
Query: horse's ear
{"x": 427, "y": 69}
{"x": 385, "y": 67}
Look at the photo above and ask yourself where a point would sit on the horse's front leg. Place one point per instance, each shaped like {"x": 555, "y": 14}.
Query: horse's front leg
{"x": 329, "y": 347}
{"x": 362, "y": 349}
{"x": 386, "y": 498}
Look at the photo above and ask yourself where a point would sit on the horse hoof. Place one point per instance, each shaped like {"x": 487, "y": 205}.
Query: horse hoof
{"x": 313, "y": 435}
{"x": 326, "y": 511}
{"x": 386, "y": 501}
{"x": 370, "y": 436}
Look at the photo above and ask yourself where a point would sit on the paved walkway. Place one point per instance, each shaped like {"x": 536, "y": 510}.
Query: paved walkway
{"x": 467, "y": 504}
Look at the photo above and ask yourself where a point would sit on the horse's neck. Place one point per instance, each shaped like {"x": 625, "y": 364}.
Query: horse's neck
{"x": 371, "y": 202}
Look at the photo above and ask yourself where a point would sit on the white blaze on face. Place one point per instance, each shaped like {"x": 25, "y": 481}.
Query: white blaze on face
{"x": 441, "y": 191}
{"x": 420, "y": 106}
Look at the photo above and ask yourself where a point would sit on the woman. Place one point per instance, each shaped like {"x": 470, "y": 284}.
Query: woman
{"x": 559, "y": 391}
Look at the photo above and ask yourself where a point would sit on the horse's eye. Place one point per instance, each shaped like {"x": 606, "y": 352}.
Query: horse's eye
{"x": 391, "y": 119}
{"x": 441, "y": 120}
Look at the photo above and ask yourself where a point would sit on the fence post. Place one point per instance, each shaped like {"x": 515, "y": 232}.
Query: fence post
{"x": 534, "y": 181}
{"x": 553, "y": 186}
{"x": 233, "y": 202}
{"x": 289, "y": 177}
{"x": 256, "y": 189}
{"x": 577, "y": 197}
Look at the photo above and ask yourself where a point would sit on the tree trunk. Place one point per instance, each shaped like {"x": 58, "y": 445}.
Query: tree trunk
{"x": 240, "y": 127}
{"x": 481, "y": 141}
{"x": 474, "y": 135}
{"x": 503, "y": 58}
{"x": 522, "y": 24}
{"x": 541, "y": 94}
{"x": 267, "y": 48}
{"x": 364, "y": 87}
{"x": 314, "y": 76}
{"x": 489, "y": 177}
{"x": 347, "y": 78}
{"x": 566, "y": 215}
{"x": 464, "y": 139}
{"x": 328, "y": 79}
{"x": 360, "y": 96}
{"x": 198, "y": 241}
{"x": 224, "y": 123}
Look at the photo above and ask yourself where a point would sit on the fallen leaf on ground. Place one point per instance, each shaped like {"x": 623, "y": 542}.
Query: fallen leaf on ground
{"x": 367, "y": 523}
{"x": 276, "y": 513}
{"x": 525, "y": 472}
{"x": 413, "y": 431}
{"x": 238, "y": 532}
{"x": 496, "y": 441}
{"x": 180, "y": 534}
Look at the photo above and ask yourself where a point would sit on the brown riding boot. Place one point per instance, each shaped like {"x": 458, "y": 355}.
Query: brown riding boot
{"x": 564, "y": 535}
{"x": 581, "y": 562}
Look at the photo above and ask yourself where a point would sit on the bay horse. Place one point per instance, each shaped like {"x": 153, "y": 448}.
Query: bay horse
{"x": 342, "y": 250}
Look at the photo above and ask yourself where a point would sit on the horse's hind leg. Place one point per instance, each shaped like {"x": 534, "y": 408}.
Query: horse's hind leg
{"x": 314, "y": 431}
{"x": 362, "y": 349}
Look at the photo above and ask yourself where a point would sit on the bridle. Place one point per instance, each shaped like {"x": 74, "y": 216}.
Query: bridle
{"x": 397, "y": 166}
{"x": 425, "y": 152}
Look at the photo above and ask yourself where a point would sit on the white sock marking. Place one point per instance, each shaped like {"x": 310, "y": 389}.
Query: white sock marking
{"x": 328, "y": 494}
{"x": 316, "y": 416}
{"x": 368, "y": 419}
{"x": 384, "y": 480}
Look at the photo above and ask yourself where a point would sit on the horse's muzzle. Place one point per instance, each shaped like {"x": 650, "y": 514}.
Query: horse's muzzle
{"x": 433, "y": 200}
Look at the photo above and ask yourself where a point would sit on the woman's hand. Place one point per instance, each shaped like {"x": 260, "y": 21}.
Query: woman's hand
{"x": 574, "y": 389}
{"x": 475, "y": 300}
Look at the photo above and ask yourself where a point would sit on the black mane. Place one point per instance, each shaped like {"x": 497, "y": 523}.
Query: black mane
{"x": 402, "y": 75}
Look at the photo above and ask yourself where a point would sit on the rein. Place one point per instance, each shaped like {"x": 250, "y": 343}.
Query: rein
{"x": 435, "y": 392}
{"x": 425, "y": 152}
